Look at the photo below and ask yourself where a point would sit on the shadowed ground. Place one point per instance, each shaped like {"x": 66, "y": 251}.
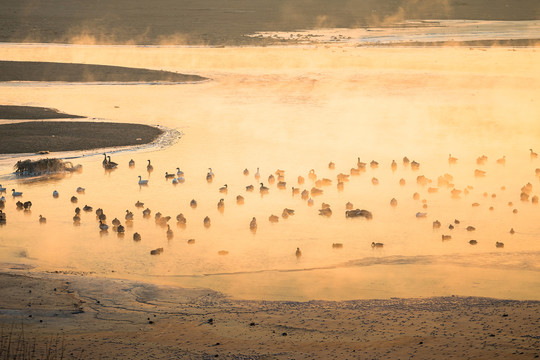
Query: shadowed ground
{"x": 30, "y": 137}
{"x": 13, "y": 112}
{"x": 215, "y": 22}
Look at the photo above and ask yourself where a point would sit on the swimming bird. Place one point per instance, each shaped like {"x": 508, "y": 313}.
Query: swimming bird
{"x": 131, "y": 163}
{"x": 74, "y": 199}
{"x": 179, "y": 172}
{"x": 209, "y": 177}
{"x": 452, "y": 160}
{"x": 221, "y": 204}
{"x": 377, "y": 245}
{"x": 146, "y": 212}
{"x": 393, "y": 166}
{"x": 323, "y": 182}
{"x": 325, "y": 211}
{"x": 239, "y": 199}
{"x": 142, "y": 182}
{"x": 120, "y": 230}
{"x": 210, "y": 172}
{"x": 103, "y": 226}
{"x": 19, "y": 205}
{"x": 415, "y": 165}
{"x": 421, "y": 214}
{"x": 180, "y": 218}
{"x": 288, "y": 211}
{"x": 87, "y": 208}
{"x": 149, "y": 167}
{"x": 481, "y": 160}
{"x": 312, "y": 175}
{"x": 104, "y": 162}
{"x": 129, "y": 215}
{"x": 406, "y": 161}
{"x": 310, "y": 202}
{"x": 355, "y": 171}
{"x": 175, "y": 181}
{"x": 263, "y": 189}
{"x": 436, "y": 224}
{"x": 2, "y": 189}
{"x": 331, "y": 165}
{"x": 169, "y": 176}
{"x": 42, "y": 220}
{"x": 81, "y": 190}
{"x": 393, "y": 202}
{"x": 375, "y": 181}
{"x": 116, "y": 222}
{"x": 110, "y": 163}
{"x": 55, "y": 194}
{"x": 249, "y": 188}
{"x": 315, "y": 191}
{"x": 246, "y": 172}
{"x": 16, "y": 193}
{"x": 206, "y": 222}
{"x": 181, "y": 179}
{"x": 139, "y": 204}
{"x": 281, "y": 184}
{"x": 298, "y": 253}
{"x": 301, "y": 180}
{"x": 273, "y": 218}
{"x": 76, "y": 218}
{"x": 193, "y": 203}
{"x": 374, "y": 164}
{"x": 446, "y": 237}
{"x": 349, "y": 205}
{"x": 136, "y": 237}
{"x": 304, "y": 194}
{"x": 502, "y": 160}
{"x": 295, "y": 190}
{"x": 271, "y": 179}
{"x": 533, "y": 154}
{"x": 473, "y": 242}
{"x": 499, "y": 244}
{"x": 253, "y": 224}
{"x": 223, "y": 189}
{"x": 360, "y": 165}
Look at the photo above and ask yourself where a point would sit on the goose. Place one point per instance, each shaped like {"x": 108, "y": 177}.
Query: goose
{"x": 16, "y": 193}
{"x": 377, "y": 245}
{"x": 239, "y": 199}
{"x": 2, "y": 189}
{"x": 331, "y": 165}
{"x": 271, "y": 179}
{"x": 104, "y": 162}
{"x": 157, "y": 251}
{"x": 323, "y": 182}
{"x": 193, "y": 203}
{"x": 131, "y": 163}
{"x": 337, "y": 246}
{"x": 355, "y": 171}
{"x": 191, "y": 241}
{"x": 298, "y": 253}
{"x": 103, "y": 226}
{"x": 87, "y": 208}
{"x": 111, "y": 163}
{"x": 170, "y": 233}
{"x": 206, "y": 222}
{"x": 533, "y": 154}
{"x": 301, "y": 180}
{"x": 120, "y": 230}
{"x": 81, "y": 190}
{"x": 360, "y": 164}
{"x": 136, "y": 237}
{"x": 273, "y": 218}
{"x": 179, "y": 172}
{"x": 257, "y": 174}
{"x": 249, "y": 188}
{"x": 55, "y": 194}
{"x": 246, "y": 172}
{"x": 146, "y": 212}
{"x": 180, "y": 218}
{"x": 471, "y": 228}
{"x": 42, "y": 220}
{"x": 149, "y": 167}
{"x": 393, "y": 166}
{"x": 169, "y": 176}
{"x": 74, "y": 199}
{"x": 288, "y": 211}
{"x": 129, "y": 215}
{"x": 263, "y": 189}
{"x": 142, "y": 182}
{"x": 499, "y": 244}
{"x": 343, "y": 177}
{"x": 139, "y": 204}
{"x": 451, "y": 159}
{"x": 223, "y": 189}
{"x": 253, "y": 224}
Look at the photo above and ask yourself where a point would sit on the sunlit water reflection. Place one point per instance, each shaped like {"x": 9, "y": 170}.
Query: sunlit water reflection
{"x": 297, "y": 109}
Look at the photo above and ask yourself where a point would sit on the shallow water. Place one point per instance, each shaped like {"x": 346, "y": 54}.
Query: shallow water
{"x": 297, "y": 109}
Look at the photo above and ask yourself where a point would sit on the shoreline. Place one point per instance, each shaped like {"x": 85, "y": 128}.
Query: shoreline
{"x": 108, "y": 318}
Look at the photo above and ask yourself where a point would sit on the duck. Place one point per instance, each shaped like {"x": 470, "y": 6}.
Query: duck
{"x": 180, "y": 218}
{"x": 16, "y": 193}
{"x": 257, "y": 174}
{"x": 323, "y": 182}
{"x": 393, "y": 166}
{"x": 76, "y": 218}
{"x": 393, "y": 202}
{"x": 74, "y": 199}
{"x": 2, "y": 189}
{"x": 374, "y": 164}
{"x": 246, "y": 172}
{"x": 415, "y": 165}
{"x": 281, "y": 185}
{"x": 209, "y": 177}
{"x": 273, "y": 218}
{"x": 87, "y": 208}
{"x": 206, "y": 222}
{"x": 301, "y": 180}
{"x": 120, "y": 230}
{"x": 19, "y": 205}
{"x": 42, "y": 220}
{"x": 193, "y": 203}
{"x": 499, "y": 244}
{"x": 421, "y": 214}
{"x": 55, "y": 194}
{"x": 481, "y": 160}
{"x": 131, "y": 163}
{"x": 375, "y": 181}
{"x": 312, "y": 175}
{"x": 170, "y": 233}
{"x": 377, "y": 245}
{"x": 355, "y": 171}
{"x": 473, "y": 242}
{"x": 271, "y": 179}
{"x": 142, "y": 182}
{"x": 139, "y": 204}
{"x": 116, "y": 222}
{"x": 304, "y": 194}
{"x": 129, "y": 215}
{"x": 406, "y": 161}
{"x": 310, "y": 202}
{"x": 331, "y": 165}
{"x": 181, "y": 179}
{"x": 263, "y": 189}
{"x": 179, "y": 172}
{"x": 452, "y": 160}
{"x": 146, "y": 212}
{"x": 501, "y": 161}
{"x": 436, "y": 224}
{"x": 250, "y": 188}
{"x": 298, "y": 253}
{"x": 103, "y": 226}
{"x": 295, "y": 191}
{"x": 315, "y": 191}
{"x": 223, "y": 189}
{"x": 149, "y": 167}
{"x": 288, "y": 211}
{"x": 533, "y": 154}
{"x": 325, "y": 211}
{"x": 169, "y": 176}
{"x": 349, "y": 205}
{"x": 221, "y": 204}
{"x": 239, "y": 199}
{"x": 479, "y": 173}
{"x": 446, "y": 237}
{"x": 253, "y": 223}
{"x": 137, "y": 237}
{"x": 81, "y": 190}
{"x": 175, "y": 181}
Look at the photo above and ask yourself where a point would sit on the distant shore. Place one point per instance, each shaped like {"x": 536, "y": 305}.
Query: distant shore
{"x": 98, "y": 318}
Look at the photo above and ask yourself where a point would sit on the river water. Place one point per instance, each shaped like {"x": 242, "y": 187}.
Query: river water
{"x": 297, "y": 109}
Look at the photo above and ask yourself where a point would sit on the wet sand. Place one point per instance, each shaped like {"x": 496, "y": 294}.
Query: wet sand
{"x": 33, "y": 136}
{"x": 118, "y": 319}
{"x": 13, "y": 112}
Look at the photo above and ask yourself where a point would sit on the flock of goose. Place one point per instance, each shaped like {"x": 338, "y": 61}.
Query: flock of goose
{"x": 279, "y": 176}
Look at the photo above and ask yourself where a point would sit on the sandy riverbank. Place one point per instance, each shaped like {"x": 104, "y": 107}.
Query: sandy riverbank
{"x": 117, "y": 319}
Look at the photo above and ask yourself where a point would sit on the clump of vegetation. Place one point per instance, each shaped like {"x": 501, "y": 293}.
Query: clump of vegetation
{"x": 44, "y": 166}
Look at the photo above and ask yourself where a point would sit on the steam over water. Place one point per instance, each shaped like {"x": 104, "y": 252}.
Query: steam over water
{"x": 297, "y": 109}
